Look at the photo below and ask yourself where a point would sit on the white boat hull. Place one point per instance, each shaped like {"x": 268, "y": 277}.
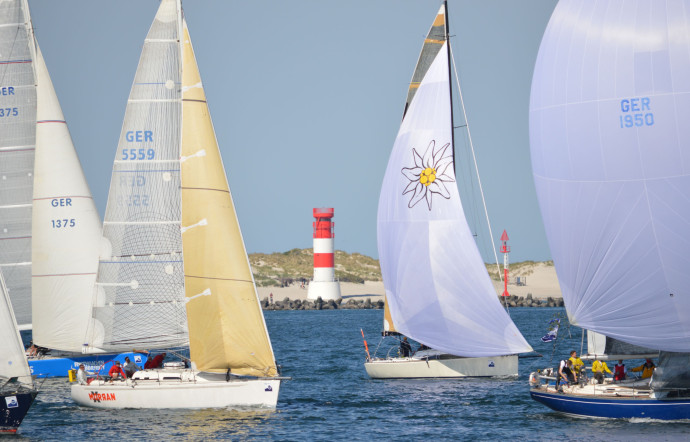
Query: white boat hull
{"x": 450, "y": 367}
{"x": 178, "y": 389}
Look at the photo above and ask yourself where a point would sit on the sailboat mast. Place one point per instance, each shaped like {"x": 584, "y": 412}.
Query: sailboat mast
{"x": 450, "y": 84}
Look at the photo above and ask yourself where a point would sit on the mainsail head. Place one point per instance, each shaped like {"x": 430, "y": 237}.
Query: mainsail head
{"x": 437, "y": 286}
{"x": 610, "y": 148}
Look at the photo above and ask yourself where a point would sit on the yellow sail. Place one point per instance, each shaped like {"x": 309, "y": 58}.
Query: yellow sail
{"x": 388, "y": 326}
{"x": 226, "y": 325}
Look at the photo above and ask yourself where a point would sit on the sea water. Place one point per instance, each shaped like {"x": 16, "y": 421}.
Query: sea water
{"x": 330, "y": 396}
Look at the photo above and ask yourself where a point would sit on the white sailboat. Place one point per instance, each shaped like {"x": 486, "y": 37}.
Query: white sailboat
{"x": 175, "y": 268}
{"x": 50, "y": 227}
{"x": 17, "y": 389}
{"x": 610, "y": 146}
{"x": 438, "y": 291}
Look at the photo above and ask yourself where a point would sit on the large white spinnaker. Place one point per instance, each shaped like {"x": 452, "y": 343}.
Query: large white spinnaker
{"x": 437, "y": 286}
{"x": 66, "y": 229}
{"x": 17, "y": 143}
{"x": 12, "y": 358}
{"x": 610, "y": 146}
{"x": 139, "y": 299}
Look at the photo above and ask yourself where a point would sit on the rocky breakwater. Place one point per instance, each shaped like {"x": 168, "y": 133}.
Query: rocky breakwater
{"x": 320, "y": 304}
{"x": 356, "y": 304}
{"x": 528, "y": 301}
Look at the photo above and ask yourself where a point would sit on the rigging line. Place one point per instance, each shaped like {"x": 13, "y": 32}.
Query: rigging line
{"x": 474, "y": 158}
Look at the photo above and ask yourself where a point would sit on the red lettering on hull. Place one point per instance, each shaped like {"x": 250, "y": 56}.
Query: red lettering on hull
{"x": 101, "y": 397}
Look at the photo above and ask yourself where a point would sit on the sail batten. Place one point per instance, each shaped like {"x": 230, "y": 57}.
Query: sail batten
{"x": 437, "y": 287}
{"x": 226, "y": 326}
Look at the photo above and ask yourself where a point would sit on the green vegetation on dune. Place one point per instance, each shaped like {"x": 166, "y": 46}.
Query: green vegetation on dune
{"x": 281, "y": 269}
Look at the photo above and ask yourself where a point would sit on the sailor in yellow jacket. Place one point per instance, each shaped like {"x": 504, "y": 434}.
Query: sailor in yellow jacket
{"x": 577, "y": 362}
{"x": 599, "y": 368}
{"x": 647, "y": 369}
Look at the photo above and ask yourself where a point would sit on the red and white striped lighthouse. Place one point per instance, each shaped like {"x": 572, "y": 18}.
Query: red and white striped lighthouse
{"x": 324, "y": 284}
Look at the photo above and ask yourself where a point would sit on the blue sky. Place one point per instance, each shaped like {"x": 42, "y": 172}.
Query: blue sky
{"x": 306, "y": 98}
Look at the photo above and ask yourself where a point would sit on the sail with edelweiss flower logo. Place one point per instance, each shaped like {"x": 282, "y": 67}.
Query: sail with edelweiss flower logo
{"x": 437, "y": 286}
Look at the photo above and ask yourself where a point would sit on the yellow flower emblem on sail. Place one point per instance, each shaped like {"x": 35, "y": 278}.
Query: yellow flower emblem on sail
{"x": 428, "y": 176}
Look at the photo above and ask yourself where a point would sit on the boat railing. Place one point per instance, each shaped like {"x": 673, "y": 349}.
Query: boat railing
{"x": 548, "y": 378}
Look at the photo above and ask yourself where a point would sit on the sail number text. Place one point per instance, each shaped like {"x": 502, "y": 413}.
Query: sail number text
{"x": 9, "y": 111}
{"x": 636, "y": 112}
{"x": 63, "y": 223}
{"x": 138, "y": 136}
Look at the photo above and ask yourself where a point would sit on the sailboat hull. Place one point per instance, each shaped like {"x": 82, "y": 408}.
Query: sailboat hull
{"x": 13, "y": 408}
{"x": 178, "y": 389}
{"x": 444, "y": 367}
{"x": 613, "y": 408}
{"x": 60, "y": 364}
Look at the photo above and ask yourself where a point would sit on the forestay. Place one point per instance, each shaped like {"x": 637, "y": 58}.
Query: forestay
{"x": 611, "y": 160}
{"x": 139, "y": 301}
{"x": 66, "y": 229}
{"x": 12, "y": 358}
{"x": 437, "y": 286}
{"x": 17, "y": 143}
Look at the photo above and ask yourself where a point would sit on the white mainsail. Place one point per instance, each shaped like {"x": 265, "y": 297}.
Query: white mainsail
{"x": 437, "y": 286}
{"x": 17, "y": 144}
{"x": 611, "y": 160}
{"x": 12, "y": 358}
{"x": 66, "y": 229}
{"x": 139, "y": 299}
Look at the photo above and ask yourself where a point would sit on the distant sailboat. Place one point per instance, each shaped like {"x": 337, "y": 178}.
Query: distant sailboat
{"x": 176, "y": 269}
{"x": 49, "y": 242}
{"x": 610, "y": 148}
{"x": 17, "y": 389}
{"x": 438, "y": 291}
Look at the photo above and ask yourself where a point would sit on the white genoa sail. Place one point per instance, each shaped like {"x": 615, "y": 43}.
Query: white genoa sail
{"x": 66, "y": 229}
{"x": 17, "y": 144}
{"x": 12, "y": 358}
{"x": 139, "y": 299}
{"x": 609, "y": 143}
{"x": 437, "y": 286}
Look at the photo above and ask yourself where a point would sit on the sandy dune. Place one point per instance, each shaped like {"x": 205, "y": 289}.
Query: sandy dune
{"x": 541, "y": 283}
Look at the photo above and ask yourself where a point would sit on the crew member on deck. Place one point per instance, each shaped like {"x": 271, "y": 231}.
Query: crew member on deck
{"x": 577, "y": 362}
{"x": 405, "y": 348}
{"x": 129, "y": 367}
{"x": 599, "y": 370}
{"x": 82, "y": 375}
{"x": 619, "y": 371}
{"x": 116, "y": 371}
{"x": 565, "y": 373}
{"x": 647, "y": 369}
